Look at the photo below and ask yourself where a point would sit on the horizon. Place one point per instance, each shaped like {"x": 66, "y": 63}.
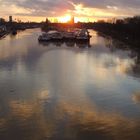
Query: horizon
{"x": 83, "y": 11}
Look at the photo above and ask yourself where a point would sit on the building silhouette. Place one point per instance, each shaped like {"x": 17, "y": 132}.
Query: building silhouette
{"x": 10, "y": 19}
{"x": 72, "y": 20}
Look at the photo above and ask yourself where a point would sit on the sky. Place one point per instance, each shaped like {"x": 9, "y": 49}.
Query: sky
{"x": 82, "y": 10}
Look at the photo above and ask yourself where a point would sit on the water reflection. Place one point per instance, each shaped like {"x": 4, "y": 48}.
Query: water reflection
{"x": 67, "y": 118}
{"x": 67, "y": 43}
{"x": 65, "y": 90}
{"x": 136, "y": 67}
{"x": 136, "y": 97}
{"x": 117, "y": 46}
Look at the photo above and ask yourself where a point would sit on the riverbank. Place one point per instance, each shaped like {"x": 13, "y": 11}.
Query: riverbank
{"x": 2, "y": 34}
{"x": 126, "y": 30}
{"x": 7, "y": 27}
{"x": 127, "y": 39}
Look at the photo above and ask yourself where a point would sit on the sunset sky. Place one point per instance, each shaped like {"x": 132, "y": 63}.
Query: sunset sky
{"x": 83, "y": 10}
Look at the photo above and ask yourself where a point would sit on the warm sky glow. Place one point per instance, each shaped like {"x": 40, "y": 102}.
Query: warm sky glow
{"x": 64, "y": 19}
{"x": 60, "y": 10}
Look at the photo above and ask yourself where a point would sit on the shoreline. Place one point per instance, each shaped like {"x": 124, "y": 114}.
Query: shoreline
{"x": 3, "y": 34}
{"x": 133, "y": 43}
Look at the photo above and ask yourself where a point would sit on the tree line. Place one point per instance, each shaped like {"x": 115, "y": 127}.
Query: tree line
{"x": 127, "y": 29}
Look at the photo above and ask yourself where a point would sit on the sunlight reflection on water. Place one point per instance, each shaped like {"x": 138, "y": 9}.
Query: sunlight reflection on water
{"x": 65, "y": 90}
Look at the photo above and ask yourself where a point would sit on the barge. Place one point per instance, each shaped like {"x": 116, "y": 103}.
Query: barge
{"x": 80, "y": 35}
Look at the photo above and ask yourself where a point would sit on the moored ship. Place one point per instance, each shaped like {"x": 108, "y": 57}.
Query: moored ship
{"x": 81, "y": 35}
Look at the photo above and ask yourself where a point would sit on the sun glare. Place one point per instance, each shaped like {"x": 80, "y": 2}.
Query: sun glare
{"x": 65, "y": 19}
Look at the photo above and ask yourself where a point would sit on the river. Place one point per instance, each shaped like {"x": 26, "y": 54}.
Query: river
{"x": 68, "y": 91}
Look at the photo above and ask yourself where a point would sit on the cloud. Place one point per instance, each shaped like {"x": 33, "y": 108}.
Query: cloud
{"x": 53, "y": 8}
{"x": 14, "y": 9}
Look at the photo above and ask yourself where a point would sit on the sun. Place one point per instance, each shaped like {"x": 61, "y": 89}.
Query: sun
{"x": 65, "y": 19}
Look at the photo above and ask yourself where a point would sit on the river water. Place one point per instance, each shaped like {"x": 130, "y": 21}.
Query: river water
{"x": 68, "y": 91}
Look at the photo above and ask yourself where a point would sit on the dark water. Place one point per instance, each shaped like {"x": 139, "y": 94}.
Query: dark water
{"x": 68, "y": 91}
